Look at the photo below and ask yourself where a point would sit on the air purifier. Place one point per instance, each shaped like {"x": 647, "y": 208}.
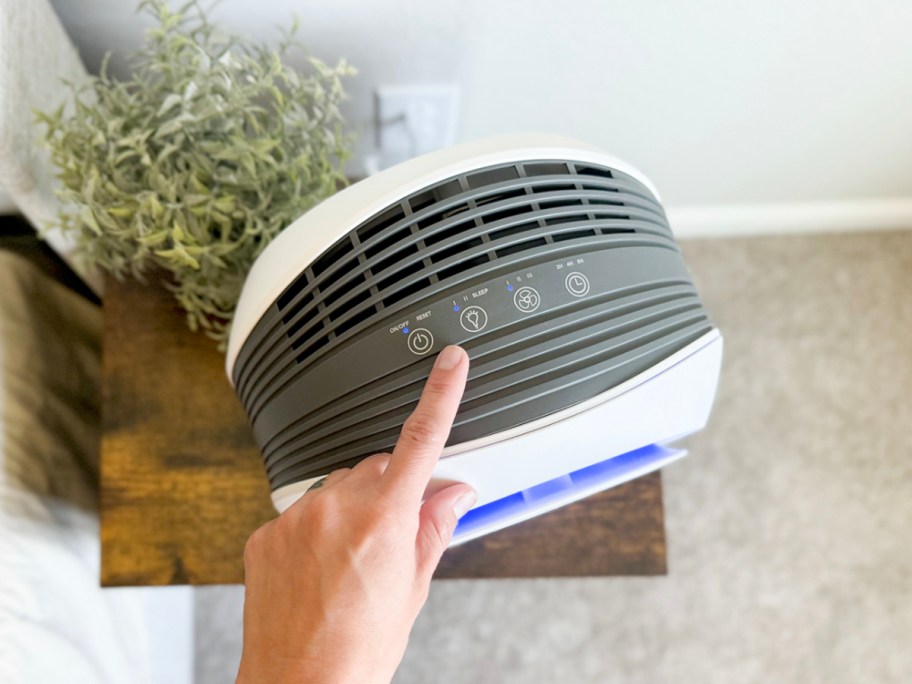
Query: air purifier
{"x": 549, "y": 261}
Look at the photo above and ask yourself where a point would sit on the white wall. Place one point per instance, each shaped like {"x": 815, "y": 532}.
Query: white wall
{"x": 719, "y": 101}
{"x": 7, "y": 206}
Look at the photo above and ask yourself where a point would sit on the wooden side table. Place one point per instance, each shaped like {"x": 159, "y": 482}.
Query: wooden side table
{"x": 182, "y": 483}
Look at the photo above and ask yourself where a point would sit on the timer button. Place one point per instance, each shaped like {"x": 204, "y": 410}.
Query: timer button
{"x": 473, "y": 319}
{"x": 577, "y": 284}
{"x": 420, "y": 341}
{"x": 526, "y": 299}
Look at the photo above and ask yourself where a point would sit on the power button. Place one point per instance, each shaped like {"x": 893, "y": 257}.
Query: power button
{"x": 420, "y": 341}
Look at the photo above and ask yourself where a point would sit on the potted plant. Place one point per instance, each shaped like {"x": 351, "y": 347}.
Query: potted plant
{"x": 196, "y": 161}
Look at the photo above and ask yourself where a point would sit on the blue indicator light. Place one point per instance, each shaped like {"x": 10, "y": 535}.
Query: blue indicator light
{"x": 405, "y": 330}
{"x": 591, "y": 478}
{"x": 455, "y": 307}
{"x": 509, "y": 288}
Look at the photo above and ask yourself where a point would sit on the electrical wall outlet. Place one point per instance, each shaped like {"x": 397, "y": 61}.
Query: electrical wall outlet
{"x": 413, "y": 120}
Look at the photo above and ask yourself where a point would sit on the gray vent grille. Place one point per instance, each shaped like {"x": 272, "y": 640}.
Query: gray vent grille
{"x": 591, "y": 344}
{"x": 438, "y": 238}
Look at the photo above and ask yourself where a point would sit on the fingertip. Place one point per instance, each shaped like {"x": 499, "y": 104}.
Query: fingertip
{"x": 458, "y": 497}
{"x": 451, "y": 357}
{"x": 464, "y": 501}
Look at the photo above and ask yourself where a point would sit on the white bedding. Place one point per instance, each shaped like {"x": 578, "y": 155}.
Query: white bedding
{"x": 56, "y": 623}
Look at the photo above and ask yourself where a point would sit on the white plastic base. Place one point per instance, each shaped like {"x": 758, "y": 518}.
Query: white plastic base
{"x": 561, "y": 491}
{"x": 670, "y": 400}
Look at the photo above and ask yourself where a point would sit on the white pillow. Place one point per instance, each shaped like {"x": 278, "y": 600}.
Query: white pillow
{"x": 56, "y": 623}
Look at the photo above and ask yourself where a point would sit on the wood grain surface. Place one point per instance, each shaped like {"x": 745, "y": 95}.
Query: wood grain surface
{"x": 182, "y": 484}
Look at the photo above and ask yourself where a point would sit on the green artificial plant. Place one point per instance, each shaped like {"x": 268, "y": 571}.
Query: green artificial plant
{"x": 196, "y": 161}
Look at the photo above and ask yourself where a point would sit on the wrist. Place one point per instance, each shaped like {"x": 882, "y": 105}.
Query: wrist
{"x": 333, "y": 671}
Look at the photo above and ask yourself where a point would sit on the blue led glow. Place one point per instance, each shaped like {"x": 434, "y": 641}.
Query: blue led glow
{"x": 610, "y": 469}
{"x": 405, "y": 330}
{"x": 509, "y": 288}
{"x": 455, "y": 307}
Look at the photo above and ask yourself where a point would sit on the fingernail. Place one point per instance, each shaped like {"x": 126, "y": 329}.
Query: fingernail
{"x": 464, "y": 503}
{"x": 449, "y": 358}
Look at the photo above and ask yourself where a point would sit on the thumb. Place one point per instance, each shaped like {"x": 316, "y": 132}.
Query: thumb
{"x": 437, "y": 520}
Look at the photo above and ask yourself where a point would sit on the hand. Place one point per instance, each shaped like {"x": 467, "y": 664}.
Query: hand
{"x": 334, "y": 584}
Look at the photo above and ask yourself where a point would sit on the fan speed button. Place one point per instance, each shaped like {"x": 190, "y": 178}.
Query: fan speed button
{"x": 526, "y": 299}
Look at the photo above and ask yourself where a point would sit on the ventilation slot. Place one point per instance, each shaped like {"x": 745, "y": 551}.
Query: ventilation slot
{"x": 341, "y": 291}
{"x": 574, "y": 235}
{"x": 513, "y": 230}
{"x": 506, "y": 213}
{"x": 380, "y": 222}
{"x": 521, "y": 247}
{"x": 349, "y": 305}
{"x": 291, "y": 330}
{"x": 303, "y": 339}
{"x": 462, "y": 266}
{"x": 331, "y": 257}
{"x": 456, "y": 249}
{"x": 545, "y": 169}
{"x": 441, "y": 235}
{"x": 422, "y": 201}
{"x": 375, "y": 248}
{"x": 307, "y": 352}
{"x": 393, "y": 258}
{"x": 498, "y": 196}
{"x": 400, "y": 275}
{"x": 305, "y": 300}
{"x": 337, "y": 275}
{"x": 434, "y": 219}
{"x": 557, "y": 220}
{"x": 569, "y": 187}
{"x": 483, "y": 179}
{"x": 593, "y": 171}
{"x": 553, "y": 204}
{"x": 412, "y": 288}
{"x": 359, "y": 317}
{"x": 293, "y": 291}
{"x": 448, "y": 189}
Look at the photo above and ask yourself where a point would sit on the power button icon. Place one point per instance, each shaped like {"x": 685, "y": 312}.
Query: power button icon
{"x": 577, "y": 284}
{"x": 420, "y": 341}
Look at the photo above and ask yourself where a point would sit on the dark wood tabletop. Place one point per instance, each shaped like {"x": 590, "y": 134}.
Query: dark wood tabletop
{"x": 182, "y": 483}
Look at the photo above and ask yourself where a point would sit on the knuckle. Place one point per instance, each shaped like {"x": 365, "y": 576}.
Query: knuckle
{"x": 437, "y": 386}
{"x": 442, "y": 532}
{"x": 253, "y": 548}
{"x": 336, "y": 475}
{"x": 438, "y": 532}
{"x": 374, "y": 465}
{"x": 321, "y": 514}
{"x": 317, "y": 507}
{"x": 421, "y": 428}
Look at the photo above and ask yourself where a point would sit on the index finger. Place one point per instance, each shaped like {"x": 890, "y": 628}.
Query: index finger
{"x": 425, "y": 432}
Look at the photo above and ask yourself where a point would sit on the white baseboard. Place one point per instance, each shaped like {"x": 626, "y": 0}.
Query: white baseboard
{"x": 790, "y": 217}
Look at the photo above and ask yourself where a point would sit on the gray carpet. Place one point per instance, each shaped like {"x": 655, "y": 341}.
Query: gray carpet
{"x": 788, "y": 526}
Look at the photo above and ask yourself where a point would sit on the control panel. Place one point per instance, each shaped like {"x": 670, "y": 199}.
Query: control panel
{"x": 493, "y": 303}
